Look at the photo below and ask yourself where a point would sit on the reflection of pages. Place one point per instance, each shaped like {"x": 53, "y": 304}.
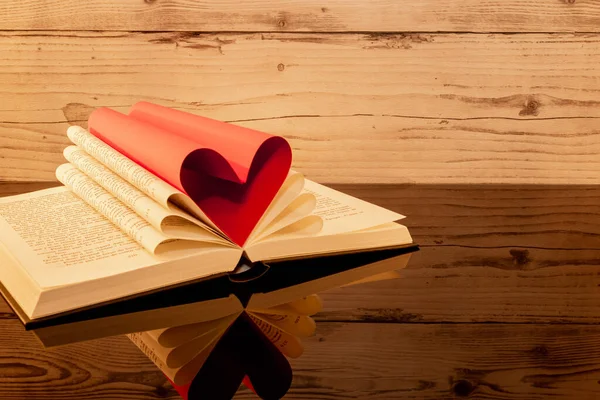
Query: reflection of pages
{"x": 181, "y": 352}
{"x": 288, "y": 294}
{"x": 186, "y": 348}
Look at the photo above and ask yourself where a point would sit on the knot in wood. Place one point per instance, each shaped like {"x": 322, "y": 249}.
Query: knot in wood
{"x": 463, "y": 388}
{"x": 531, "y": 107}
{"x": 281, "y": 23}
{"x": 520, "y": 257}
{"x": 280, "y": 67}
{"x": 540, "y": 351}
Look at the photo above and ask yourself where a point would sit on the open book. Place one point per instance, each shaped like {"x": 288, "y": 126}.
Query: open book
{"x": 167, "y": 217}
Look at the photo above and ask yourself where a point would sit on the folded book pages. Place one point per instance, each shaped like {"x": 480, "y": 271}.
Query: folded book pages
{"x": 165, "y": 218}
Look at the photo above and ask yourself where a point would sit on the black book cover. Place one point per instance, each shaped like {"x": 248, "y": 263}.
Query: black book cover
{"x": 248, "y": 279}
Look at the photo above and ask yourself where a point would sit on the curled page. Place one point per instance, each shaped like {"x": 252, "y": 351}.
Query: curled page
{"x": 342, "y": 213}
{"x": 171, "y": 221}
{"x": 155, "y": 188}
{"x": 298, "y": 210}
{"x": 289, "y": 206}
{"x": 154, "y": 241}
{"x": 232, "y": 173}
{"x": 113, "y": 209}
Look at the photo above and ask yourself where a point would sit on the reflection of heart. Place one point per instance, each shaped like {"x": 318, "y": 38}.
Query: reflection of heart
{"x": 236, "y": 207}
{"x": 243, "y": 351}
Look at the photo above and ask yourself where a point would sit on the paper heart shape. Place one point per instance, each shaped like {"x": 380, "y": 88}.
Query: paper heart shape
{"x": 243, "y": 354}
{"x": 232, "y": 173}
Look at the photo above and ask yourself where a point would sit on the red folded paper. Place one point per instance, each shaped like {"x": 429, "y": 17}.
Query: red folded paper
{"x": 232, "y": 173}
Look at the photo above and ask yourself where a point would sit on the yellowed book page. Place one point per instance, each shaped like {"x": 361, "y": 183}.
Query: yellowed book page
{"x": 112, "y": 208}
{"x": 178, "y": 335}
{"x": 163, "y": 193}
{"x": 177, "y": 357}
{"x": 141, "y": 340}
{"x": 287, "y": 343}
{"x": 297, "y": 210}
{"x": 294, "y": 324}
{"x": 180, "y": 375}
{"x": 342, "y": 213}
{"x": 309, "y": 226}
{"x": 58, "y": 239}
{"x": 290, "y": 242}
{"x": 172, "y": 222}
{"x": 155, "y": 242}
{"x": 290, "y": 189}
{"x": 18, "y": 286}
{"x": 181, "y": 355}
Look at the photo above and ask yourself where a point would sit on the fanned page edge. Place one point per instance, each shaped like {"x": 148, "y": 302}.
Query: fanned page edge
{"x": 289, "y": 192}
{"x": 277, "y": 337}
{"x": 147, "y": 207}
{"x": 160, "y": 191}
{"x": 365, "y": 220}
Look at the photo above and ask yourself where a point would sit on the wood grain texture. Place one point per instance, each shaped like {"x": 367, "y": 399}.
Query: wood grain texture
{"x": 374, "y": 108}
{"x": 383, "y": 361}
{"x": 304, "y": 15}
{"x": 111, "y": 368}
{"x": 489, "y": 253}
{"x": 342, "y": 361}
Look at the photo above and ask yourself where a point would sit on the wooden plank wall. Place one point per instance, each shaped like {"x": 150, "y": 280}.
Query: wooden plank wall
{"x": 476, "y": 119}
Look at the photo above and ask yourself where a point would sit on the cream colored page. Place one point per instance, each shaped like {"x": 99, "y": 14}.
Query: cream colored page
{"x": 112, "y": 208}
{"x": 144, "y": 180}
{"x": 290, "y": 189}
{"x": 299, "y": 209}
{"x": 184, "y": 354}
{"x": 59, "y": 239}
{"x": 179, "y": 375}
{"x": 178, "y": 335}
{"x": 171, "y": 222}
{"x": 143, "y": 342}
{"x": 342, "y": 213}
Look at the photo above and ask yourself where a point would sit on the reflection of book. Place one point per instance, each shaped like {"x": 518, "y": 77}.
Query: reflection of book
{"x": 209, "y": 359}
{"x": 180, "y": 352}
{"x": 157, "y": 209}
